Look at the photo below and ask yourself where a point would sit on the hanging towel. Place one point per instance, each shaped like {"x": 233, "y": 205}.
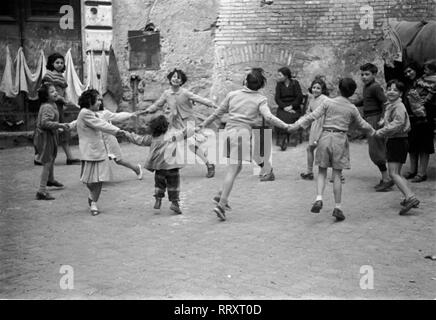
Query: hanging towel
{"x": 92, "y": 74}
{"x": 103, "y": 74}
{"x": 114, "y": 85}
{"x": 25, "y": 80}
{"x": 32, "y": 81}
{"x": 7, "y": 85}
{"x": 75, "y": 86}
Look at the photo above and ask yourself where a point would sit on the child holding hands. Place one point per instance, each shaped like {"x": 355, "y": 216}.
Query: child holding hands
{"x": 396, "y": 125}
{"x": 165, "y": 158}
{"x": 333, "y": 149}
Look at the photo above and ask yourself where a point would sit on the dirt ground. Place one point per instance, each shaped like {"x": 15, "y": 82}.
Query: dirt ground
{"x": 271, "y": 246}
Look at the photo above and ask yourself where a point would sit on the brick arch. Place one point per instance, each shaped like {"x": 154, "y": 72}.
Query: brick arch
{"x": 256, "y": 52}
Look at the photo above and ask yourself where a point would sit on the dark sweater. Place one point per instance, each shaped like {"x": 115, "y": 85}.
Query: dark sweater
{"x": 287, "y": 96}
{"x": 373, "y": 99}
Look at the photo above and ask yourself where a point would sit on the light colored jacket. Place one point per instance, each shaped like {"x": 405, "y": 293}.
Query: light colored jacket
{"x": 89, "y": 129}
{"x": 179, "y": 103}
{"x": 396, "y": 121}
{"x": 338, "y": 114}
{"x": 245, "y": 107}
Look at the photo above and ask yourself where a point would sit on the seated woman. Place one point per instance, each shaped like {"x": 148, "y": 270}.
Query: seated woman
{"x": 288, "y": 97}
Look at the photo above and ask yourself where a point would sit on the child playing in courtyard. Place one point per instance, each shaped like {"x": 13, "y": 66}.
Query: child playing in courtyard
{"x": 318, "y": 90}
{"x": 165, "y": 157}
{"x": 46, "y": 139}
{"x": 396, "y": 125}
{"x": 179, "y": 102}
{"x": 244, "y": 107}
{"x": 54, "y": 75}
{"x": 333, "y": 149}
{"x": 373, "y": 107}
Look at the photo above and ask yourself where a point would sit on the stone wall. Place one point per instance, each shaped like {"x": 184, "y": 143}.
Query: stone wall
{"x": 187, "y": 33}
{"x": 328, "y": 37}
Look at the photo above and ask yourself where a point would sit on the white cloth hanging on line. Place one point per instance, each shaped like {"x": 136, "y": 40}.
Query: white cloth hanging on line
{"x": 103, "y": 73}
{"x": 92, "y": 73}
{"x": 75, "y": 86}
{"x": 25, "y": 80}
{"x": 7, "y": 85}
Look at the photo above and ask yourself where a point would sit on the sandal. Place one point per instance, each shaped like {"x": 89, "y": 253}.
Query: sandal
{"x": 419, "y": 178}
{"x": 307, "y": 176}
{"x": 410, "y": 175}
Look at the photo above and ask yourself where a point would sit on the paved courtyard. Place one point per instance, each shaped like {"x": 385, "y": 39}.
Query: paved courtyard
{"x": 271, "y": 246}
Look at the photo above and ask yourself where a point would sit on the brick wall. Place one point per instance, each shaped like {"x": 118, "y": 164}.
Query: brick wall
{"x": 329, "y": 37}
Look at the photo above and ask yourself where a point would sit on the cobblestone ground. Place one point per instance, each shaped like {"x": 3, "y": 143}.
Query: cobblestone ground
{"x": 271, "y": 246}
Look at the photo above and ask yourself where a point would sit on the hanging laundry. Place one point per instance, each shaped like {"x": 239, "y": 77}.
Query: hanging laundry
{"x": 7, "y": 85}
{"x": 92, "y": 74}
{"x": 25, "y": 80}
{"x": 103, "y": 74}
{"x": 75, "y": 86}
{"x": 32, "y": 81}
{"x": 114, "y": 85}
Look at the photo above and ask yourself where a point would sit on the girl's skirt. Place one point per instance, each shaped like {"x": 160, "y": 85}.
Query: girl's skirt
{"x": 96, "y": 171}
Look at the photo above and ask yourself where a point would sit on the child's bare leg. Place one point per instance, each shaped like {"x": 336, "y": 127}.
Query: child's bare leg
{"x": 394, "y": 172}
{"x": 310, "y": 157}
{"x": 127, "y": 164}
{"x": 66, "y": 147}
{"x": 322, "y": 175}
{"x": 337, "y": 186}
{"x": 232, "y": 172}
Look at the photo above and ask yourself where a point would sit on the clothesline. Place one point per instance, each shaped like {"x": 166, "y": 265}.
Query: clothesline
{"x": 29, "y": 82}
{"x": 41, "y": 39}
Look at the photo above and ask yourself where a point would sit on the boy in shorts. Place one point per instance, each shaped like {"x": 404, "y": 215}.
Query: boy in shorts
{"x": 396, "y": 126}
{"x": 333, "y": 149}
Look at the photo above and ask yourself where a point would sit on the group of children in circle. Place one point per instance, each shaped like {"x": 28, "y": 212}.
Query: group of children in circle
{"x": 330, "y": 120}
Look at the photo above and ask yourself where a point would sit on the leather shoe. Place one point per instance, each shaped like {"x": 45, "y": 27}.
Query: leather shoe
{"x": 175, "y": 207}
{"x": 217, "y": 200}
{"x": 220, "y": 212}
{"x": 409, "y": 204}
{"x": 317, "y": 206}
{"x": 44, "y": 196}
{"x": 158, "y": 203}
{"x": 54, "y": 183}
{"x": 268, "y": 177}
{"x": 385, "y": 186}
{"x": 210, "y": 171}
{"x": 338, "y": 214}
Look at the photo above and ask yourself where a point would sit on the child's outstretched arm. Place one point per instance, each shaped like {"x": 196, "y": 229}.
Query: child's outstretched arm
{"x": 222, "y": 109}
{"x": 199, "y": 99}
{"x": 118, "y": 116}
{"x": 305, "y": 121}
{"x": 158, "y": 104}
{"x": 361, "y": 123}
{"x": 139, "y": 140}
{"x": 269, "y": 117}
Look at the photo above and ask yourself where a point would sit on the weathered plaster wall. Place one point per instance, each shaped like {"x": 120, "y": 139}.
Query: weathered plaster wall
{"x": 186, "y": 42}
